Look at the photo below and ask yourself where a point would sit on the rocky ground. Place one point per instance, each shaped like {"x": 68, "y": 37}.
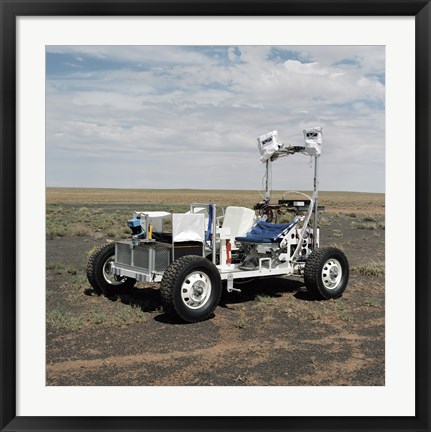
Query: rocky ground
{"x": 272, "y": 333}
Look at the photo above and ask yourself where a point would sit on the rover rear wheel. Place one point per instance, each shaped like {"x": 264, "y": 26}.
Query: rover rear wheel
{"x": 100, "y": 275}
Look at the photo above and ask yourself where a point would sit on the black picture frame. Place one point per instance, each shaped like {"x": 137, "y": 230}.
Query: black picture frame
{"x": 11, "y": 9}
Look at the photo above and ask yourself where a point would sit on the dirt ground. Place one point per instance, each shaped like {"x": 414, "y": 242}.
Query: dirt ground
{"x": 272, "y": 333}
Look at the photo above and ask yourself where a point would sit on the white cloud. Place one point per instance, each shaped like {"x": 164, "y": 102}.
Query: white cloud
{"x": 232, "y": 54}
{"x": 184, "y": 116}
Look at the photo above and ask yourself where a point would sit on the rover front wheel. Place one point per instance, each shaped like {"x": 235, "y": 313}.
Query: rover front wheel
{"x": 191, "y": 288}
{"x": 326, "y": 273}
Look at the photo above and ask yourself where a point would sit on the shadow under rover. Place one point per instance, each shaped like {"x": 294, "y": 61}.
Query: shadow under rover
{"x": 270, "y": 287}
{"x": 168, "y": 319}
{"x": 148, "y": 299}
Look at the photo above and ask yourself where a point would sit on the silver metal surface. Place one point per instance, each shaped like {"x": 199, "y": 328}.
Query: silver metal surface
{"x": 267, "y": 195}
{"x": 196, "y": 290}
{"x": 134, "y": 273}
{"x": 332, "y": 272}
{"x": 229, "y": 286}
{"x": 123, "y": 253}
{"x": 316, "y": 195}
{"x": 214, "y": 237}
{"x": 109, "y": 275}
{"x": 162, "y": 258}
{"x": 144, "y": 259}
{"x": 241, "y": 274}
{"x": 141, "y": 257}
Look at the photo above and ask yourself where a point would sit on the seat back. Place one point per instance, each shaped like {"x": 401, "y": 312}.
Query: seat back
{"x": 239, "y": 220}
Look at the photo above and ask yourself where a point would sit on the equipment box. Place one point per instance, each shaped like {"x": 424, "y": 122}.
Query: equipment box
{"x": 147, "y": 257}
{"x": 153, "y": 257}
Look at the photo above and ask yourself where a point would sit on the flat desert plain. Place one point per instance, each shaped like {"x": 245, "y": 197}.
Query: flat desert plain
{"x": 271, "y": 333}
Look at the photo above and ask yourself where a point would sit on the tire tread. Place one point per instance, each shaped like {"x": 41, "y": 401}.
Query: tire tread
{"x": 170, "y": 277}
{"x": 92, "y": 270}
{"x": 91, "y": 266}
{"x": 312, "y": 267}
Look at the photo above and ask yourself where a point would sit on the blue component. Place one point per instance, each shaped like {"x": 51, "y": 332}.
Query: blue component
{"x": 133, "y": 223}
{"x": 136, "y": 228}
{"x": 210, "y": 222}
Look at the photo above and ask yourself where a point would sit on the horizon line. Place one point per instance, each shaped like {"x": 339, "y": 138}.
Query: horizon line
{"x": 199, "y": 189}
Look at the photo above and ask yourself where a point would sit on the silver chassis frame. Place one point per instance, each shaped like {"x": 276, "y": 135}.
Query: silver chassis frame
{"x": 293, "y": 268}
{"x": 313, "y": 208}
{"x": 132, "y": 272}
{"x": 226, "y": 274}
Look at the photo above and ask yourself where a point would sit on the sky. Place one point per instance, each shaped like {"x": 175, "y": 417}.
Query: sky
{"x": 167, "y": 117}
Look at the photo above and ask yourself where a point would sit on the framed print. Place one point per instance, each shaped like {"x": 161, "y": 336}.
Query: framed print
{"x": 99, "y": 101}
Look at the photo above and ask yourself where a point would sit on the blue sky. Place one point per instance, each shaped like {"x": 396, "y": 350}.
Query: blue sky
{"x": 189, "y": 116}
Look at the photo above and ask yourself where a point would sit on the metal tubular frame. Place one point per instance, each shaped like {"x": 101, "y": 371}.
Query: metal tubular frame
{"x": 313, "y": 209}
{"x": 214, "y": 226}
{"x": 315, "y": 199}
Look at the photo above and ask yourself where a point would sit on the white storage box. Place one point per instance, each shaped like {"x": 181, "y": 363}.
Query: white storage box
{"x": 268, "y": 144}
{"x": 188, "y": 227}
{"x": 313, "y": 141}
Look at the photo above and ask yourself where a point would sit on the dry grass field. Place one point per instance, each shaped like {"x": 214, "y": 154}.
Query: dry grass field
{"x": 272, "y": 333}
{"x": 335, "y": 202}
